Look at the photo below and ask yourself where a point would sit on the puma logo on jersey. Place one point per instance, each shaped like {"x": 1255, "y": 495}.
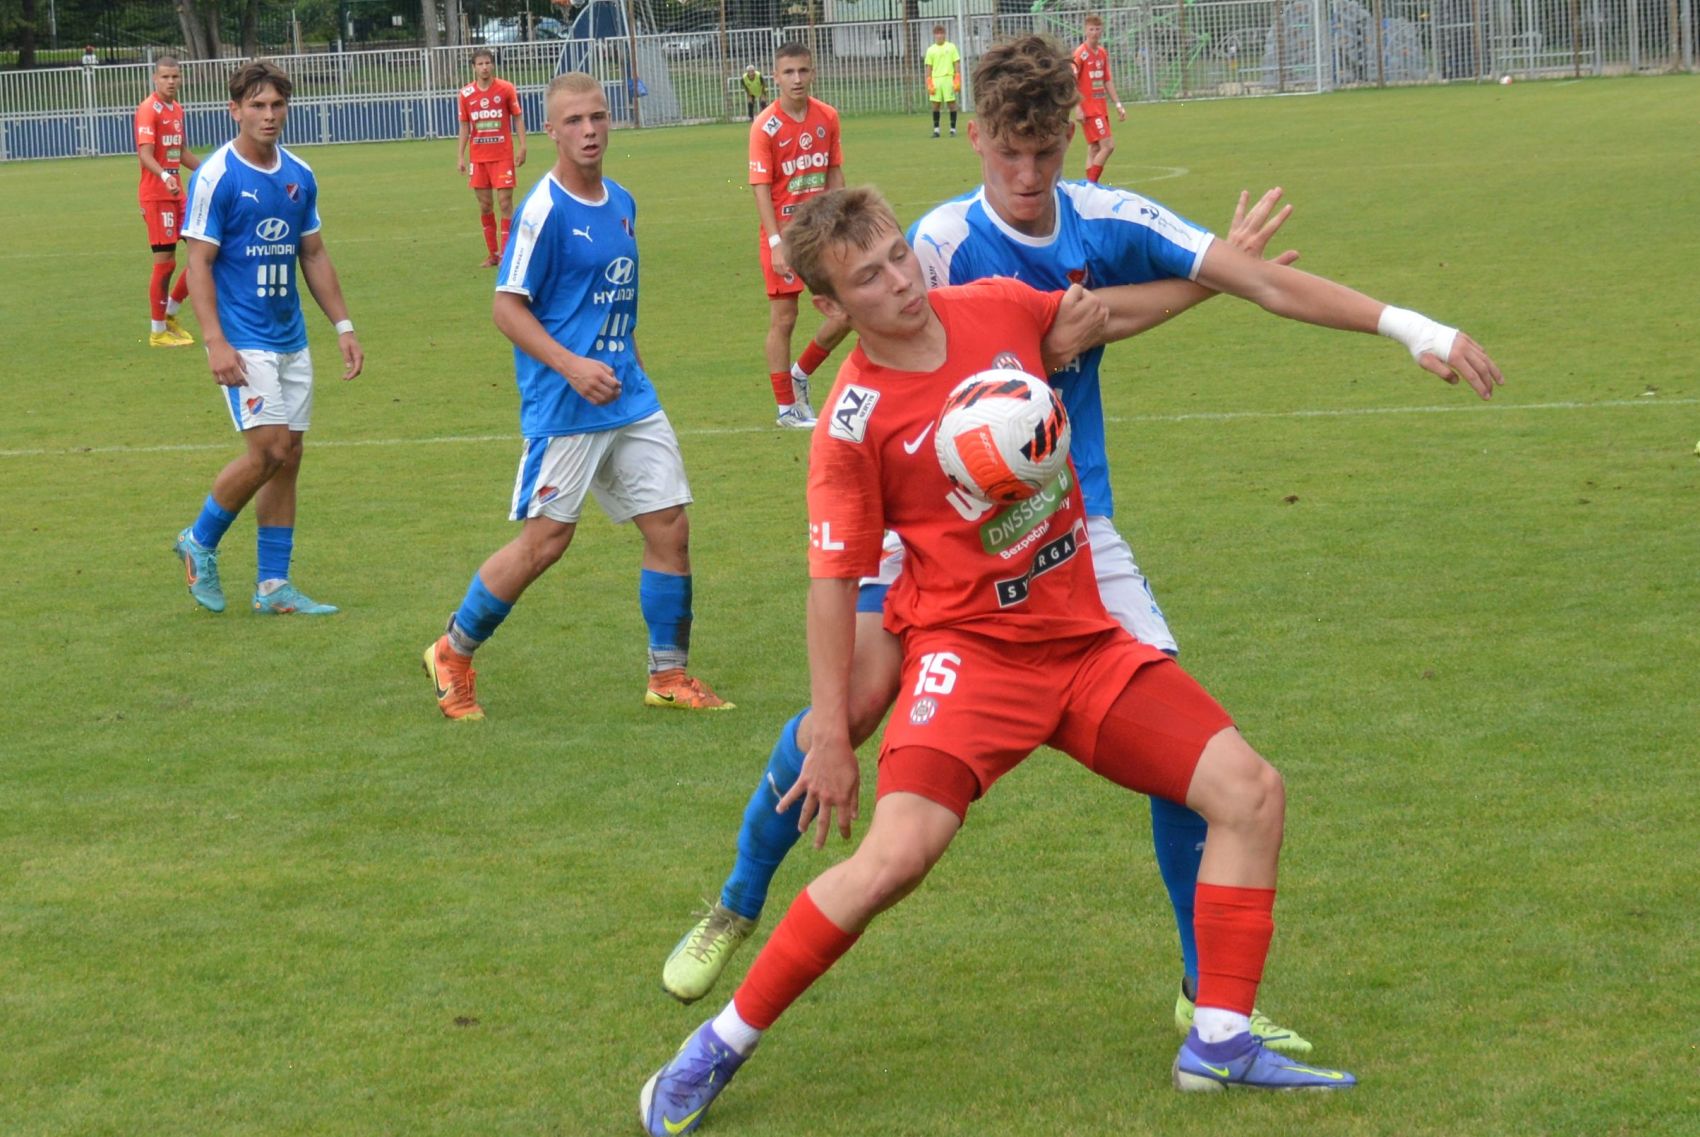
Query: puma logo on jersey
{"x": 250, "y": 193}
{"x": 585, "y": 233}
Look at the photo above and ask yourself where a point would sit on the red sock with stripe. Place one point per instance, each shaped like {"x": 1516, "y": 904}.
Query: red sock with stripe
{"x": 1093, "y": 173}
{"x": 782, "y": 393}
{"x": 801, "y": 949}
{"x": 489, "y": 221}
{"x": 1234, "y": 927}
{"x": 507, "y": 224}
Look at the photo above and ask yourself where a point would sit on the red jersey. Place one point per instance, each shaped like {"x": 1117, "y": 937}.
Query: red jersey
{"x": 793, "y": 157}
{"x": 159, "y": 124}
{"x": 1091, "y": 75}
{"x": 1018, "y": 572}
{"x": 488, "y": 111}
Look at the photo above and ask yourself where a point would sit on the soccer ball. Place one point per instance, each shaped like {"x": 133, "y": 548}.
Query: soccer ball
{"x": 1002, "y": 435}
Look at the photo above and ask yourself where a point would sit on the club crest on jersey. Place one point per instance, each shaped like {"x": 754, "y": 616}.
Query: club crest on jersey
{"x": 820, "y": 133}
{"x": 771, "y": 126}
{"x": 805, "y": 141}
{"x": 256, "y": 404}
{"x": 546, "y": 494}
{"x": 1078, "y": 276}
{"x": 850, "y": 414}
{"x": 292, "y": 190}
{"x": 922, "y": 711}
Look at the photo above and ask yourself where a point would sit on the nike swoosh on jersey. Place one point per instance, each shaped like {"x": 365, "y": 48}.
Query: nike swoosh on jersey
{"x": 911, "y": 447}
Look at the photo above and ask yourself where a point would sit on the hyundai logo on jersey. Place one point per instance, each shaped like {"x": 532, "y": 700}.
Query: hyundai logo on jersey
{"x": 272, "y": 229}
{"x": 620, "y": 270}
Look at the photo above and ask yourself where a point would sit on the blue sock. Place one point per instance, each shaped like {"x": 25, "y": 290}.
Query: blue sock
{"x": 766, "y": 836}
{"x": 277, "y": 542}
{"x": 478, "y": 616}
{"x": 666, "y": 603}
{"x": 208, "y": 529}
{"x": 1178, "y": 834}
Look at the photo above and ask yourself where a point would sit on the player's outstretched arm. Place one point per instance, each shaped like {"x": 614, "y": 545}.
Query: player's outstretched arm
{"x": 1135, "y": 308}
{"x": 1285, "y": 291}
{"x": 593, "y": 379}
{"x": 1078, "y": 326}
{"x": 227, "y": 366}
{"x": 830, "y": 781}
{"x": 320, "y": 275}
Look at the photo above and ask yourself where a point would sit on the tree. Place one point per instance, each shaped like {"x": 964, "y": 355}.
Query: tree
{"x": 26, "y": 35}
{"x": 251, "y": 28}
{"x": 201, "y": 36}
{"x": 428, "y": 21}
{"x": 452, "y": 21}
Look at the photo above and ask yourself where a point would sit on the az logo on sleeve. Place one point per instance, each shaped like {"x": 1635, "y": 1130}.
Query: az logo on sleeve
{"x": 850, "y": 414}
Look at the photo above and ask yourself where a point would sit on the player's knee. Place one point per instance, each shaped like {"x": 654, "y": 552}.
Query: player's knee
{"x": 784, "y": 320}
{"x": 893, "y": 874}
{"x": 1257, "y": 800}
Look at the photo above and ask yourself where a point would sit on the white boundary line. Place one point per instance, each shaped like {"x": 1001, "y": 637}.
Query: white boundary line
{"x": 711, "y": 432}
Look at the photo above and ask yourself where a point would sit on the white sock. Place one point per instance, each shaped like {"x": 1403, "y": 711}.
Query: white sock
{"x": 798, "y": 373}
{"x": 1213, "y": 1024}
{"x": 158, "y": 325}
{"x": 734, "y": 1031}
{"x": 172, "y": 307}
{"x": 267, "y": 587}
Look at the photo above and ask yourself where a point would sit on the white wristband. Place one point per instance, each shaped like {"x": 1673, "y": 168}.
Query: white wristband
{"x": 166, "y": 175}
{"x": 1417, "y": 332}
{"x": 773, "y": 240}
{"x": 343, "y": 327}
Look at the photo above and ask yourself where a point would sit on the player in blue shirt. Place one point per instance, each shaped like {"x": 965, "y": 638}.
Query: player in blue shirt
{"x": 1024, "y": 222}
{"x": 253, "y": 233}
{"x": 566, "y": 295}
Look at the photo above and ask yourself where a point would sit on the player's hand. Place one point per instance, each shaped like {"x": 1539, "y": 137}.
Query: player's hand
{"x": 460, "y": 164}
{"x": 173, "y": 185}
{"x": 593, "y": 379}
{"x": 959, "y": 84}
{"x": 1082, "y": 321}
{"x": 353, "y": 355}
{"x": 830, "y": 781}
{"x": 1252, "y": 231}
{"x": 777, "y": 256}
{"x": 929, "y": 84}
{"x": 519, "y": 157}
{"x": 1467, "y": 361}
{"x": 1121, "y": 112}
{"x": 228, "y": 366}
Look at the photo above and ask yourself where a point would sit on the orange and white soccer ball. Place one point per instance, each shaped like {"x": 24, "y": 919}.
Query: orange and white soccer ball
{"x": 1002, "y": 435}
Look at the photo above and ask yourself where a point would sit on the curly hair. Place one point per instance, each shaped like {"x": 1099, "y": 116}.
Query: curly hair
{"x": 1024, "y": 87}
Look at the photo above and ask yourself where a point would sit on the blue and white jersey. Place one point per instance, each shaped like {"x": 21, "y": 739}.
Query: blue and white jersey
{"x": 1102, "y": 237}
{"x": 576, "y": 261}
{"x": 257, "y": 219}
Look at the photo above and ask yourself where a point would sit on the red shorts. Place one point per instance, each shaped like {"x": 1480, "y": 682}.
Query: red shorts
{"x": 788, "y": 285}
{"x": 164, "y": 218}
{"x": 498, "y": 174}
{"x": 1097, "y": 127}
{"x": 988, "y": 704}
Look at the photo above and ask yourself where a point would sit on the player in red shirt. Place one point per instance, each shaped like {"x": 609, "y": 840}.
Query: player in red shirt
{"x": 1006, "y": 647}
{"x": 1097, "y": 91}
{"x": 794, "y": 154}
{"x": 164, "y": 155}
{"x": 489, "y": 150}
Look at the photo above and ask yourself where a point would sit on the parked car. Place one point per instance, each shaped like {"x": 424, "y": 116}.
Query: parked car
{"x": 548, "y": 28}
{"x": 503, "y": 30}
{"x": 689, "y": 46}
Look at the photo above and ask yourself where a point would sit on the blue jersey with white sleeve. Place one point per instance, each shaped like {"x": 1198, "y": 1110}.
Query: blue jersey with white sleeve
{"x": 257, "y": 218}
{"x": 1102, "y": 237}
{"x": 576, "y": 263}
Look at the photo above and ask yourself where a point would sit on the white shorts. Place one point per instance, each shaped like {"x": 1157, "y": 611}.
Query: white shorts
{"x": 279, "y": 390}
{"x": 632, "y": 470}
{"x": 1125, "y": 591}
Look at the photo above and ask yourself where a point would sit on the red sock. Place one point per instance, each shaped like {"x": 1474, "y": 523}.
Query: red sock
{"x": 1234, "y": 927}
{"x": 813, "y": 356}
{"x": 489, "y": 220}
{"x": 1093, "y": 173}
{"x": 507, "y": 223}
{"x": 157, "y": 289}
{"x": 801, "y": 949}
{"x": 180, "y": 290}
{"x": 782, "y": 393}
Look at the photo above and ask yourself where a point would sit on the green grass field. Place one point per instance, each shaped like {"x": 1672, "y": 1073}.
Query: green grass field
{"x": 252, "y": 884}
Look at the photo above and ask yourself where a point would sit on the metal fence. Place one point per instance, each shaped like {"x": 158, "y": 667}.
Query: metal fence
{"x": 1158, "y": 51}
